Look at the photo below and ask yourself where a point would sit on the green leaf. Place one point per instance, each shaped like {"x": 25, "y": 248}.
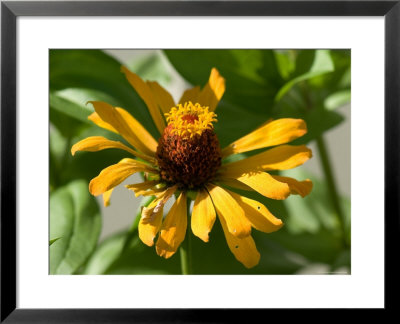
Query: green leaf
{"x": 337, "y": 99}
{"x": 53, "y": 240}
{"x": 105, "y": 255}
{"x": 252, "y": 76}
{"x": 285, "y": 62}
{"x": 71, "y": 109}
{"x": 58, "y": 151}
{"x": 111, "y": 250}
{"x": 321, "y": 64}
{"x": 253, "y": 79}
{"x": 74, "y": 216}
{"x": 97, "y": 71}
{"x": 111, "y": 258}
{"x": 318, "y": 119}
{"x": 314, "y": 212}
{"x": 67, "y": 126}
{"x": 152, "y": 67}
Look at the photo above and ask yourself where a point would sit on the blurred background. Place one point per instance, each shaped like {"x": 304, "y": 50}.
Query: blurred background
{"x": 260, "y": 84}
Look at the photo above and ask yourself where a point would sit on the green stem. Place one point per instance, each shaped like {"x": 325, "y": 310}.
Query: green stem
{"x": 330, "y": 179}
{"x": 186, "y": 248}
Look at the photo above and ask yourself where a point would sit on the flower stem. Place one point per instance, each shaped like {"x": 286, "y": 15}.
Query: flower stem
{"x": 186, "y": 248}
{"x": 332, "y": 188}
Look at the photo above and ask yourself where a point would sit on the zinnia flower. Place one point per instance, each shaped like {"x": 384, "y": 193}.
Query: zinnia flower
{"x": 188, "y": 157}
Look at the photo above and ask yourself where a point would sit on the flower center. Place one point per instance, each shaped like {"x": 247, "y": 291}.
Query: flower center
{"x": 188, "y": 152}
{"x": 189, "y": 120}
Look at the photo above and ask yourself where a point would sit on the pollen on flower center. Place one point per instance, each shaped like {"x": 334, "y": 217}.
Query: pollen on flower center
{"x": 188, "y": 152}
{"x": 189, "y": 120}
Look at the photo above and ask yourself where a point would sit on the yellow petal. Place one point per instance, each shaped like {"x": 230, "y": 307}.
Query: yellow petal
{"x": 150, "y": 226}
{"x": 161, "y": 96}
{"x": 302, "y": 188}
{"x": 234, "y": 184}
{"x": 141, "y": 188}
{"x": 273, "y": 133}
{"x": 282, "y": 157}
{"x": 258, "y": 215}
{"x": 265, "y": 184}
{"x": 98, "y": 143}
{"x": 153, "y": 192}
{"x": 203, "y": 215}
{"x": 213, "y": 91}
{"x": 115, "y": 174}
{"x": 139, "y": 130}
{"x": 106, "y": 197}
{"x": 161, "y": 199}
{"x": 190, "y": 95}
{"x": 244, "y": 249}
{"x": 143, "y": 90}
{"x": 228, "y": 209}
{"x": 127, "y": 126}
{"x": 173, "y": 229}
{"x": 95, "y": 118}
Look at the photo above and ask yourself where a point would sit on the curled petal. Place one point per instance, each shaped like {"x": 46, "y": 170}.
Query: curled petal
{"x": 95, "y": 118}
{"x": 141, "y": 188}
{"x": 302, "y": 188}
{"x": 173, "y": 229}
{"x": 107, "y": 197}
{"x": 150, "y": 223}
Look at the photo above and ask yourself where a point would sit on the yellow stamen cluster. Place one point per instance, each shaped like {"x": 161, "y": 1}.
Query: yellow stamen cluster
{"x": 190, "y": 119}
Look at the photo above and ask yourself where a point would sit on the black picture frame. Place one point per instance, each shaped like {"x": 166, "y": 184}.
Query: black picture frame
{"x": 10, "y": 10}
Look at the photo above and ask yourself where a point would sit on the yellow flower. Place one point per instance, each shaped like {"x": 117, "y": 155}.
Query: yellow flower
{"x": 188, "y": 156}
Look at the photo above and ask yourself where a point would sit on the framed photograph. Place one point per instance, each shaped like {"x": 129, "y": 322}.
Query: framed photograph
{"x": 161, "y": 160}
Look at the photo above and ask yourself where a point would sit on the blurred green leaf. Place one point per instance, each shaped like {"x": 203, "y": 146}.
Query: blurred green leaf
{"x": 152, "y": 67}
{"x": 53, "y": 240}
{"x": 253, "y": 80}
{"x": 252, "y": 76}
{"x": 309, "y": 64}
{"x": 112, "y": 250}
{"x": 106, "y": 253}
{"x": 285, "y": 62}
{"x": 58, "y": 150}
{"x": 97, "y": 71}
{"x": 69, "y": 108}
{"x": 314, "y": 212}
{"x": 318, "y": 119}
{"x": 67, "y": 126}
{"x": 215, "y": 257}
{"x": 74, "y": 216}
{"x": 137, "y": 258}
{"x": 337, "y": 99}
{"x": 340, "y": 78}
